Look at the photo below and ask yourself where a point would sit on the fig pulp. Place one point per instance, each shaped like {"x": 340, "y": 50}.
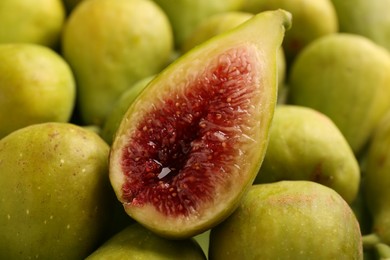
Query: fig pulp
{"x": 192, "y": 142}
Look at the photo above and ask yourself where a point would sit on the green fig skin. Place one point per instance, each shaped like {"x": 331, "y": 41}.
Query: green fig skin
{"x": 302, "y": 147}
{"x": 311, "y": 19}
{"x": 36, "y": 84}
{"x": 158, "y": 202}
{"x": 120, "y": 107}
{"x": 55, "y": 197}
{"x": 377, "y": 180}
{"x": 366, "y": 18}
{"x": 186, "y": 15}
{"x": 110, "y": 45}
{"x": 137, "y": 242}
{"x": 288, "y": 220}
{"x": 347, "y": 78}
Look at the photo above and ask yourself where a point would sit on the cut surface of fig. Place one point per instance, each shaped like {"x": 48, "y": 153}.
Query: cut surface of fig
{"x": 191, "y": 144}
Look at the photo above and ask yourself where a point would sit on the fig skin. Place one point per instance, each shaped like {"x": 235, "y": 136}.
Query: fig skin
{"x": 306, "y": 145}
{"x": 213, "y": 197}
{"x": 110, "y": 45}
{"x": 37, "y": 22}
{"x": 288, "y": 220}
{"x": 377, "y": 180}
{"x": 55, "y": 199}
{"x": 346, "y": 77}
{"x": 366, "y": 18}
{"x": 311, "y": 19}
{"x": 137, "y": 242}
{"x": 36, "y": 84}
{"x": 186, "y": 15}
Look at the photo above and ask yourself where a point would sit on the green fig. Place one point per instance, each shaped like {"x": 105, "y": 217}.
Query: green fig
{"x": 120, "y": 107}
{"x": 312, "y": 20}
{"x": 38, "y": 22}
{"x": 110, "y": 45}
{"x": 377, "y": 180}
{"x": 347, "y": 78}
{"x": 137, "y": 242}
{"x": 186, "y": 15}
{"x": 55, "y": 197}
{"x": 289, "y": 220}
{"x": 366, "y": 18}
{"x": 192, "y": 142}
{"x": 36, "y": 86}
{"x": 302, "y": 147}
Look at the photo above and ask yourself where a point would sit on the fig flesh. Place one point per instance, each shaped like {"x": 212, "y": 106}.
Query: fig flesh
{"x": 191, "y": 143}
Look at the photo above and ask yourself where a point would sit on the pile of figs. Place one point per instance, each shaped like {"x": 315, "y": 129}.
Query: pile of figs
{"x": 218, "y": 129}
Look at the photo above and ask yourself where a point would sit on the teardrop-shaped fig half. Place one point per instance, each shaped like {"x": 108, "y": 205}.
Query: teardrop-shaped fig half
{"x": 192, "y": 142}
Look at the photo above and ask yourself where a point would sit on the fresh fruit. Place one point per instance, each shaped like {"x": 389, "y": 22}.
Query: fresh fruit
{"x": 312, "y": 20}
{"x": 214, "y": 25}
{"x": 137, "y": 242}
{"x": 55, "y": 198}
{"x": 306, "y": 145}
{"x": 36, "y": 86}
{"x": 120, "y": 107}
{"x": 288, "y": 220}
{"x": 347, "y": 78}
{"x": 377, "y": 180}
{"x": 110, "y": 45}
{"x": 25, "y": 21}
{"x": 367, "y": 18}
{"x": 186, "y": 15}
{"x": 221, "y": 22}
{"x": 192, "y": 142}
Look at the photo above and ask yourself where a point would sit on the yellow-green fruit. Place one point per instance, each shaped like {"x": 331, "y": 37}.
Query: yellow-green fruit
{"x": 377, "y": 180}
{"x": 214, "y": 25}
{"x": 55, "y": 197}
{"x": 137, "y": 242}
{"x": 120, "y": 107}
{"x": 306, "y": 145}
{"x": 36, "y": 86}
{"x": 368, "y": 18}
{"x": 110, "y": 45}
{"x": 186, "y": 15}
{"x": 311, "y": 20}
{"x": 347, "y": 78}
{"x": 38, "y": 21}
{"x": 289, "y": 220}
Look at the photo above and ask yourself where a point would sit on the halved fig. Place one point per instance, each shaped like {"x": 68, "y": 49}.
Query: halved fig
{"x": 192, "y": 142}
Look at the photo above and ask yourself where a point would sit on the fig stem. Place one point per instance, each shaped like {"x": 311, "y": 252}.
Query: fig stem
{"x": 370, "y": 240}
{"x": 383, "y": 251}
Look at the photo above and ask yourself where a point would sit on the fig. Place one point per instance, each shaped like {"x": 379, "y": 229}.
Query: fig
{"x": 110, "y": 45}
{"x": 38, "y": 22}
{"x": 36, "y": 84}
{"x": 288, "y": 220}
{"x": 55, "y": 198}
{"x": 377, "y": 180}
{"x": 192, "y": 142}
{"x": 221, "y": 22}
{"x": 366, "y": 18}
{"x": 302, "y": 147}
{"x": 312, "y": 20}
{"x": 120, "y": 107}
{"x": 137, "y": 242}
{"x": 346, "y": 77}
{"x": 186, "y": 15}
